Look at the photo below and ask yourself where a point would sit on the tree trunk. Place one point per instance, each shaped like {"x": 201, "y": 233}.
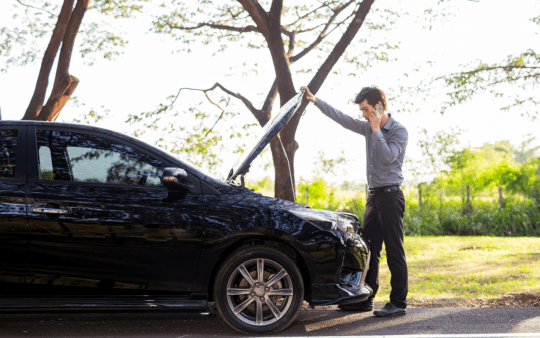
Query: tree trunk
{"x": 269, "y": 24}
{"x": 58, "y": 98}
{"x": 64, "y": 84}
{"x": 36, "y": 103}
{"x": 283, "y": 188}
{"x": 65, "y": 31}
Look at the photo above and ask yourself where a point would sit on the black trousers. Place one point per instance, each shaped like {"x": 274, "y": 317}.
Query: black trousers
{"x": 383, "y": 221}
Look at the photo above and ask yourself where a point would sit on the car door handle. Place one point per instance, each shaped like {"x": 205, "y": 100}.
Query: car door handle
{"x": 41, "y": 210}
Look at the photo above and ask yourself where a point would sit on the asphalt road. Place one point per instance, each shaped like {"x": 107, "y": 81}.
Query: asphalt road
{"x": 313, "y": 323}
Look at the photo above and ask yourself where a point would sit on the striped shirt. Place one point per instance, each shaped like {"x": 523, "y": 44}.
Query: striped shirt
{"x": 385, "y": 148}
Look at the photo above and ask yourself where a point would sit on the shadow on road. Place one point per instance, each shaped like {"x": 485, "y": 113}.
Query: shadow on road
{"x": 309, "y": 323}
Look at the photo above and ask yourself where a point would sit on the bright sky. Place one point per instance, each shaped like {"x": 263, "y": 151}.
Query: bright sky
{"x": 148, "y": 72}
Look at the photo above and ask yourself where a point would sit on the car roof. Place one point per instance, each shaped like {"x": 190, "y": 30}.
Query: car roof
{"x": 82, "y": 127}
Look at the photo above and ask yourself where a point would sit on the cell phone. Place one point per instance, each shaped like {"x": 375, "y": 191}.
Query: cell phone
{"x": 379, "y": 110}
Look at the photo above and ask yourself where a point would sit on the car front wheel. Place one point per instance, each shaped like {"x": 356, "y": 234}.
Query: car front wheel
{"x": 258, "y": 290}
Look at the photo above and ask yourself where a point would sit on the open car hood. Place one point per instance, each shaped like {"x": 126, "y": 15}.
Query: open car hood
{"x": 270, "y": 129}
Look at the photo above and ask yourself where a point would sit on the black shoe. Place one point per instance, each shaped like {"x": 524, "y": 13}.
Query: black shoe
{"x": 364, "y": 306}
{"x": 389, "y": 310}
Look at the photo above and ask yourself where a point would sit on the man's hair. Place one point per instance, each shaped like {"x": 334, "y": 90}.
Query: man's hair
{"x": 372, "y": 95}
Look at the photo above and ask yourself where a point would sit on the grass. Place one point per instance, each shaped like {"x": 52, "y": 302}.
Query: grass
{"x": 467, "y": 267}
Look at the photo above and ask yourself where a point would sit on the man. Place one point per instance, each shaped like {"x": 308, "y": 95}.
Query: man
{"x": 386, "y": 140}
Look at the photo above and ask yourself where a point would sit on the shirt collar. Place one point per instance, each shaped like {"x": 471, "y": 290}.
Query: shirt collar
{"x": 389, "y": 123}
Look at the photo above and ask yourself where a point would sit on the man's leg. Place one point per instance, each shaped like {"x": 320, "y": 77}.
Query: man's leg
{"x": 372, "y": 230}
{"x": 390, "y": 208}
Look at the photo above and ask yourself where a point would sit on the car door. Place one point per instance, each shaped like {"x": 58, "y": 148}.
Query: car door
{"x": 13, "y": 231}
{"x": 100, "y": 221}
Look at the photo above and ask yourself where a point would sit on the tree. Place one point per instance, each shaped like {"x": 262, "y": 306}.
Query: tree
{"x": 289, "y": 33}
{"x": 20, "y": 44}
{"x": 521, "y": 72}
{"x": 437, "y": 152}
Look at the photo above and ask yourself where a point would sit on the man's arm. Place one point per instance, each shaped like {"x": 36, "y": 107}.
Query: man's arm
{"x": 344, "y": 120}
{"x": 389, "y": 151}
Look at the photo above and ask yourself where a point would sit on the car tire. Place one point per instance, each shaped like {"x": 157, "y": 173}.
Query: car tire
{"x": 252, "y": 307}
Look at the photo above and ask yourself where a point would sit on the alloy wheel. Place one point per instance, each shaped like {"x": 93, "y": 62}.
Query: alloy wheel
{"x": 259, "y": 292}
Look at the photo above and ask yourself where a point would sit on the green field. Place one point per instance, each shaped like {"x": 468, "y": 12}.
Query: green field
{"x": 467, "y": 267}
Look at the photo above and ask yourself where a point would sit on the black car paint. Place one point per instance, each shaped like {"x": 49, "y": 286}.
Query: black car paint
{"x": 13, "y": 236}
{"x": 228, "y": 217}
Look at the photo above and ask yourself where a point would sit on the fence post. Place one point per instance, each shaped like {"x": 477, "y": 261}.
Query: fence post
{"x": 441, "y": 204}
{"x": 468, "y": 206}
{"x": 501, "y": 202}
{"x": 420, "y": 197}
{"x": 307, "y": 196}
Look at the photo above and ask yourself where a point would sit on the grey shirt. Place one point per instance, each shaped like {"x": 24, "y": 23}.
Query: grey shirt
{"x": 385, "y": 148}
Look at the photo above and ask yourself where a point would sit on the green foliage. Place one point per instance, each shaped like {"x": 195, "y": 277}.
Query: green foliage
{"x": 307, "y": 27}
{"x": 318, "y": 194}
{"x": 522, "y": 71}
{"x": 443, "y": 210}
{"x": 192, "y": 133}
{"x": 494, "y": 165}
{"x": 437, "y": 153}
{"x": 519, "y": 217}
{"x": 329, "y": 166}
{"x": 264, "y": 186}
{"x": 23, "y": 40}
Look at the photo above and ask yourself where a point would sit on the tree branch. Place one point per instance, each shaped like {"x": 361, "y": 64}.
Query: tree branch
{"x": 300, "y": 18}
{"x": 342, "y": 44}
{"x": 292, "y": 42}
{"x": 258, "y": 14}
{"x": 233, "y": 16}
{"x": 69, "y": 39}
{"x": 246, "y": 29}
{"x": 505, "y": 68}
{"x": 37, "y": 8}
{"x": 259, "y": 114}
{"x": 323, "y": 33}
{"x": 269, "y": 102}
{"x": 275, "y": 9}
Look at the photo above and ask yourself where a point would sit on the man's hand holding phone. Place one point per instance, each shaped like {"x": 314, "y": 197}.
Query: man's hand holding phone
{"x": 376, "y": 117}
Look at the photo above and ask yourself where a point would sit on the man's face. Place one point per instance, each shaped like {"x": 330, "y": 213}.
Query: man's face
{"x": 366, "y": 109}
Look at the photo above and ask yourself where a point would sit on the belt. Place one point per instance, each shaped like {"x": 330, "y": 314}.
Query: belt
{"x": 390, "y": 188}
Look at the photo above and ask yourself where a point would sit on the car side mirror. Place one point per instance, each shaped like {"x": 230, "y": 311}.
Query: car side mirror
{"x": 175, "y": 179}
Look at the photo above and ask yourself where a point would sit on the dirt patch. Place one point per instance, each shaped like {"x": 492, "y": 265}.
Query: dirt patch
{"x": 527, "y": 299}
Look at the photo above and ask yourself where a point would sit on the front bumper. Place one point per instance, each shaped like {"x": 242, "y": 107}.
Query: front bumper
{"x": 355, "y": 257}
{"x": 331, "y": 294}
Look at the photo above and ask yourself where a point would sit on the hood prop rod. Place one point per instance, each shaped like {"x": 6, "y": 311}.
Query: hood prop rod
{"x": 288, "y": 167}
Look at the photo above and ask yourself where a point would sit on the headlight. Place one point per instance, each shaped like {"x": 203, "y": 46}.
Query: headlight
{"x": 345, "y": 226}
{"x": 326, "y": 220}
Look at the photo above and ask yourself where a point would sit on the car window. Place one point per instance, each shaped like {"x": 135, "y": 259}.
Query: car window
{"x": 78, "y": 157}
{"x": 8, "y": 151}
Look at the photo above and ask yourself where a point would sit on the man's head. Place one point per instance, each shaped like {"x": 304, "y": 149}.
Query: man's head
{"x": 368, "y": 98}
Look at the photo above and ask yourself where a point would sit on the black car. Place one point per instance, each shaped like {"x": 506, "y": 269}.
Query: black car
{"x": 94, "y": 219}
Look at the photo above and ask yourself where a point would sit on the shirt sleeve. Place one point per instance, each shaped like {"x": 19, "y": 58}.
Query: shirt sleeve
{"x": 390, "y": 151}
{"x": 355, "y": 125}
